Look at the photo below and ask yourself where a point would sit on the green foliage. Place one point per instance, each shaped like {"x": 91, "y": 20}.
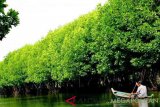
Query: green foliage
{"x": 121, "y": 36}
{"x": 7, "y": 20}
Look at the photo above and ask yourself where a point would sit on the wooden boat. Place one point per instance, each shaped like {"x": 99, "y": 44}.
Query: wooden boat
{"x": 120, "y": 94}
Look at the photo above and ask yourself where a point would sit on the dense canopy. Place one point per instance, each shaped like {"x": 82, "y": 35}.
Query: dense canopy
{"x": 119, "y": 41}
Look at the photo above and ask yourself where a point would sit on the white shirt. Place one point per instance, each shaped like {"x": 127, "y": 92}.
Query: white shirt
{"x": 142, "y": 91}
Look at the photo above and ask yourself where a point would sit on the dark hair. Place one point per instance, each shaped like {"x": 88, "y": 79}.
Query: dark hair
{"x": 139, "y": 82}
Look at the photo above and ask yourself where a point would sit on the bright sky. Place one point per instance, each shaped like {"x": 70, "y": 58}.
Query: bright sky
{"x": 37, "y": 17}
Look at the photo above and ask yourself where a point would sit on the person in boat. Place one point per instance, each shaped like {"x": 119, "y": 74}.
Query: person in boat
{"x": 141, "y": 91}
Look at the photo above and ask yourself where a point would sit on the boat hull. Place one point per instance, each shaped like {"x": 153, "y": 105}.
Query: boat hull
{"x": 126, "y": 95}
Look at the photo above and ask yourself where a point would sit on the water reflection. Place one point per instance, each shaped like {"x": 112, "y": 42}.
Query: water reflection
{"x": 122, "y": 105}
{"x": 134, "y": 103}
{"x": 83, "y": 100}
{"x": 143, "y": 103}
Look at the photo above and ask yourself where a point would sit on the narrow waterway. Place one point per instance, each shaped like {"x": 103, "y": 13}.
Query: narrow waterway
{"x": 81, "y": 100}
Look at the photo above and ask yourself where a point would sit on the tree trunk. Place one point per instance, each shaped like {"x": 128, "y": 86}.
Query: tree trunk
{"x": 15, "y": 91}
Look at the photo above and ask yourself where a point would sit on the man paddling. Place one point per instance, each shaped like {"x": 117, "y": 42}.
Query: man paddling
{"x": 141, "y": 91}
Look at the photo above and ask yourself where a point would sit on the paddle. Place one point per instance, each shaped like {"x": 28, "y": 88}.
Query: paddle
{"x": 133, "y": 90}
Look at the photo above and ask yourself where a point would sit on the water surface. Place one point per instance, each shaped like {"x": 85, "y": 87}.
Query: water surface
{"x": 82, "y": 100}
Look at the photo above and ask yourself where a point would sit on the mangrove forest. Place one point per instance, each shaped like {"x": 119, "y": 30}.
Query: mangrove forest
{"x": 114, "y": 45}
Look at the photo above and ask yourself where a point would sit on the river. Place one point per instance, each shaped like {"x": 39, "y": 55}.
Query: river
{"x": 81, "y": 100}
